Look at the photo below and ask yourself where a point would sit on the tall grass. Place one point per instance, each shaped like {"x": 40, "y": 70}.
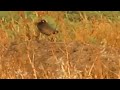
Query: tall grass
{"x": 20, "y": 54}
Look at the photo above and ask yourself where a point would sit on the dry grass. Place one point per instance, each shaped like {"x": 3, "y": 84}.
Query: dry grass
{"x": 88, "y": 49}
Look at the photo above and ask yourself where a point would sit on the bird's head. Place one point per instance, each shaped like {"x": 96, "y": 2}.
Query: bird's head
{"x": 43, "y": 21}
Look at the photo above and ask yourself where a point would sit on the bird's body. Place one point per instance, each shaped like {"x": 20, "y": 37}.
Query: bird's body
{"x": 45, "y": 28}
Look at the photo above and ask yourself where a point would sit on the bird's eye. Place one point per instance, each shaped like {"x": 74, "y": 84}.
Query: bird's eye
{"x": 43, "y": 21}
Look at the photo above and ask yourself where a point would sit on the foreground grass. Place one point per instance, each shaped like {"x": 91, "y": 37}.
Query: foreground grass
{"x": 86, "y": 46}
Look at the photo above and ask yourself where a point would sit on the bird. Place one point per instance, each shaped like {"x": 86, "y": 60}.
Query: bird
{"x": 45, "y": 28}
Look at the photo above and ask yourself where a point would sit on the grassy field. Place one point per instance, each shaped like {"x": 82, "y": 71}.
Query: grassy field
{"x": 86, "y": 47}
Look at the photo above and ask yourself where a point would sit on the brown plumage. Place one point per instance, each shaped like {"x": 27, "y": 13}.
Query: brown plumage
{"x": 45, "y": 28}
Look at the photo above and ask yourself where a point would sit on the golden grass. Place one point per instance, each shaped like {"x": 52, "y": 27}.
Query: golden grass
{"x": 22, "y": 57}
